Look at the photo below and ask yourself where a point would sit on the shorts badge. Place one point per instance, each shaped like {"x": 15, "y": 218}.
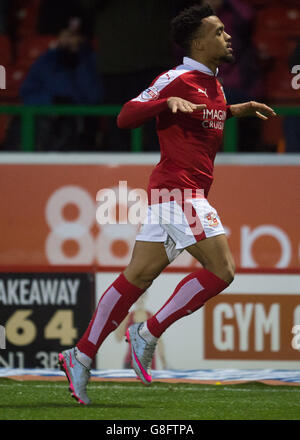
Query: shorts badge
{"x": 212, "y": 219}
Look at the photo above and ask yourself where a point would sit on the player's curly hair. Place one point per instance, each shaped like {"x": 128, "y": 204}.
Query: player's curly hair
{"x": 185, "y": 25}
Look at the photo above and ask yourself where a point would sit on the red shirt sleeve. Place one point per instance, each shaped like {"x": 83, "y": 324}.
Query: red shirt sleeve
{"x": 135, "y": 113}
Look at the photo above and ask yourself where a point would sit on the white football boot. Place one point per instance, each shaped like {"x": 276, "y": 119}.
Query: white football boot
{"x": 141, "y": 353}
{"x": 77, "y": 374}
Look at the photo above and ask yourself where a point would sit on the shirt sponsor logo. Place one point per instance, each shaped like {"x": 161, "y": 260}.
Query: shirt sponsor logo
{"x": 214, "y": 119}
{"x": 150, "y": 94}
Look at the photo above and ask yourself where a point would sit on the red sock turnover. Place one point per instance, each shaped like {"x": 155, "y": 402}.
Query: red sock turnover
{"x": 190, "y": 294}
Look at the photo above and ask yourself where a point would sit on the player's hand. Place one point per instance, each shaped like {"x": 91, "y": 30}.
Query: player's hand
{"x": 252, "y": 108}
{"x": 182, "y": 105}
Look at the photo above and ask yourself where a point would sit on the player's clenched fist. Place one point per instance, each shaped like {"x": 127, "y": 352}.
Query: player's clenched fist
{"x": 182, "y": 105}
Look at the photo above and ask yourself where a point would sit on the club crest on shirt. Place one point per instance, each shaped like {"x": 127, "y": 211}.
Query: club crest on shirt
{"x": 212, "y": 219}
{"x": 150, "y": 94}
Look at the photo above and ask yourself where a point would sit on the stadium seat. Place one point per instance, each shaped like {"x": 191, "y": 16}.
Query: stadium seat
{"x": 14, "y": 77}
{"x": 6, "y": 53}
{"x": 26, "y": 16}
{"x": 278, "y": 85}
{"x": 29, "y": 49}
{"x": 279, "y": 17}
{"x": 269, "y": 44}
{"x": 259, "y": 3}
{"x": 274, "y": 44}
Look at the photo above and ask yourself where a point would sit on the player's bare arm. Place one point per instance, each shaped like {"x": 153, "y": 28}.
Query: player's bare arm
{"x": 176, "y": 103}
{"x": 252, "y": 108}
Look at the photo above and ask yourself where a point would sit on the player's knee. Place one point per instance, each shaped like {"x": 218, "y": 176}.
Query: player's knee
{"x": 226, "y": 274}
{"x": 225, "y": 271}
{"x": 229, "y": 273}
{"x": 143, "y": 278}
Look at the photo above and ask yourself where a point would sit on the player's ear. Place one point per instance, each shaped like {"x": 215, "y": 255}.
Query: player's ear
{"x": 198, "y": 44}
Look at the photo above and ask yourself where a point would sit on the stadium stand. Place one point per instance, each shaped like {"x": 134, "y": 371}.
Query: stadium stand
{"x": 30, "y": 48}
{"x": 276, "y": 31}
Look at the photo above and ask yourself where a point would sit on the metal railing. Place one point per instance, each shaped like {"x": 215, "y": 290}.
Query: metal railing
{"x": 28, "y": 114}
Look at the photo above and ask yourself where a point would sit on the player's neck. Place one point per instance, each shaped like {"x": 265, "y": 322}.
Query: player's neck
{"x": 213, "y": 66}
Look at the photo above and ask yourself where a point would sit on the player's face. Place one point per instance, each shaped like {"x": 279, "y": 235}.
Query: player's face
{"x": 215, "y": 43}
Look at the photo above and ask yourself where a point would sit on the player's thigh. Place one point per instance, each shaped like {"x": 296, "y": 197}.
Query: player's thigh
{"x": 147, "y": 262}
{"x": 214, "y": 254}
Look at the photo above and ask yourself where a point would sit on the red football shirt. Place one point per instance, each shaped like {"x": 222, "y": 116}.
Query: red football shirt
{"x": 188, "y": 141}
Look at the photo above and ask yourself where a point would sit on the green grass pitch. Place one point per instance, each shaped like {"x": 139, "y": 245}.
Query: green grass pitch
{"x": 42, "y": 400}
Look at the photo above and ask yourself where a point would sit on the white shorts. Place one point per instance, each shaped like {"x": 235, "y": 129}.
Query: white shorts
{"x": 179, "y": 226}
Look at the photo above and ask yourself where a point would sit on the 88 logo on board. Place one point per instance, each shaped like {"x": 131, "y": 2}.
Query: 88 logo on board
{"x": 75, "y": 237}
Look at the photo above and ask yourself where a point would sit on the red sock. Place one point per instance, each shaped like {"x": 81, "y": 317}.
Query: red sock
{"x": 112, "y": 309}
{"x": 190, "y": 294}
